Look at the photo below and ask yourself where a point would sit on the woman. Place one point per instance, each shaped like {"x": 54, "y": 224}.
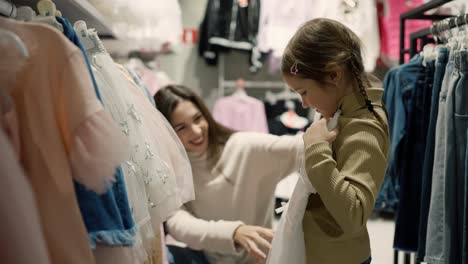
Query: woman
{"x": 235, "y": 175}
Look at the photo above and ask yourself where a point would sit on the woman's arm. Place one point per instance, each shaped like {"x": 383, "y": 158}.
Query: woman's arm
{"x": 270, "y": 155}
{"x": 219, "y": 236}
{"x": 201, "y": 234}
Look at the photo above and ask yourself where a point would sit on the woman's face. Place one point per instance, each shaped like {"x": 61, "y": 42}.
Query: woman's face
{"x": 191, "y": 127}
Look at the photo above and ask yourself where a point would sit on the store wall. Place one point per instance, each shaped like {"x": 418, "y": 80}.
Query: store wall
{"x": 186, "y": 67}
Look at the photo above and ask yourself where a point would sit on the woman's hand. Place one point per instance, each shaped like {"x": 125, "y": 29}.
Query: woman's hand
{"x": 252, "y": 238}
{"x": 318, "y": 132}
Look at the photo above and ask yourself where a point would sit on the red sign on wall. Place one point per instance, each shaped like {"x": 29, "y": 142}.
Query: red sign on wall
{"x": 190, "y": 36}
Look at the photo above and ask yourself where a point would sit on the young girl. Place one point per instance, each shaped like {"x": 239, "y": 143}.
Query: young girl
{"x": 323, "y": 63}
{"x": 235, "y": 175}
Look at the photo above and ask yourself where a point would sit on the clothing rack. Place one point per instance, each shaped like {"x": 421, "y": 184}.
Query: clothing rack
{"x": 435, "y": 30}
{"x": 75, "y": 10}
{"x": 418, "y": 13}
{"x": 224, "y": 84}
{"x": 423, "y": 36}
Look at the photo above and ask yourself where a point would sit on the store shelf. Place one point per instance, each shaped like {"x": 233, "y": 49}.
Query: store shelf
{"x": 75, "y": 10}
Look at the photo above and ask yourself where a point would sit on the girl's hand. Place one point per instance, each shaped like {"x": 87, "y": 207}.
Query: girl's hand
{"x": 252, "y": 238}
{"x": 318, "y": 132}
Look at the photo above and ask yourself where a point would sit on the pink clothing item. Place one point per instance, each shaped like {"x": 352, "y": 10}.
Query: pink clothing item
{"x": 241, "y": 113}
{"x": 154, "y": 80}
{"x": 22, "y": 238}
{"x": 10, "y": 64}
{"x": 9, "y": 121}
{"x": 390, "y": 30}
{"x": 64, "y": 131}
{"x": 150, "y": 79}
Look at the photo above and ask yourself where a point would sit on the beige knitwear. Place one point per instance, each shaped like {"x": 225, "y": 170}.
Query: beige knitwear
{"x": 347, "y": 176}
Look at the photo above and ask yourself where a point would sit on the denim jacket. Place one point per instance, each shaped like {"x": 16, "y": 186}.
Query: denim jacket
{"x": 399, "y": 86}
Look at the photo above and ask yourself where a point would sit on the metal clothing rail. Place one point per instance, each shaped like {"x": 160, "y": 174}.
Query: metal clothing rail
{"x": 256, "y": 84}
{"x": 418, "y": 13}
{"x": 223, "y": 83}
{"x": 435, "y": 29}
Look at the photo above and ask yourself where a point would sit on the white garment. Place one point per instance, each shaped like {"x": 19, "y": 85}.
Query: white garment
{"x": 157, "y": 174}
{"x": 456, "y": 8}
{"x": 143, "y": 24}
{"x": 362, "y": 20}
{"x": 238, "y": 188}
{"x": 279, "y": 20}
{"x": 288, "y": 244}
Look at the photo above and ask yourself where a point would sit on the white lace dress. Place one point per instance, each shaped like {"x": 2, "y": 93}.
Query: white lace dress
{"x": 157, "y": 173}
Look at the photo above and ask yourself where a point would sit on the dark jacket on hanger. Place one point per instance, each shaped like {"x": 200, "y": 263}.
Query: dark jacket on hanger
{"x": 228, "y": 25}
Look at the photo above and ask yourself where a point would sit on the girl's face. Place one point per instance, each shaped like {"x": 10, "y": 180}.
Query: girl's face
{"x": 323, "y": 97}
{"x": 191, "y": 127}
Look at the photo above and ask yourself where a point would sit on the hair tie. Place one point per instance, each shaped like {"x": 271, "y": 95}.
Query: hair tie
{"x": 294, "y": 70}
{"x": 370, "y": 107}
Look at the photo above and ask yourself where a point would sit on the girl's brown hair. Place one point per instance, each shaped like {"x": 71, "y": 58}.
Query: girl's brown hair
{"x": 170, "y": 96}
{"x": 319, "y": 46}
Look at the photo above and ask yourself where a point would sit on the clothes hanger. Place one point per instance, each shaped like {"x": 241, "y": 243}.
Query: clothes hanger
{"x": 443, "y": 33}
{"x": 464, "y": 39}
{"x": 82, "y": 31}
{"x": 47, "y": 12}
{"x": 447, "y": 29}
{"x": 25, "y": 13}
{"x": 458, "y": 37}
{"x": 291, "y": 119}
{"x": 428, "y": 53}
{"x": 240, "y": 89}
{"x": 434, "y": 33}
{"x": 10, "y": 37}
{"x": 286, "y": 94}
{"x": 464, "y": 34}
{"x": 7, "y": 8}
{"x": 12, "y": 62}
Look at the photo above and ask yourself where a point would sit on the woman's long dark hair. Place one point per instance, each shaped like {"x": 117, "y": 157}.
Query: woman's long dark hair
{"x": 170, "y": 96}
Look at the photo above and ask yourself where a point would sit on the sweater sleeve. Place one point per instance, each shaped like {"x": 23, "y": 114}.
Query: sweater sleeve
{"x": 275, "y": 156}
{"x": 199, "y": 234}
{"x": 348, "y": 186}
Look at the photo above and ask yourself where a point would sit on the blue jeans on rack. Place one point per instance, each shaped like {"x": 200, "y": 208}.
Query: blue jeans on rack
{"x": 440, "y": 64}
{"x": 460, "y": 214}
{"x": 439, "y": 240}
{"x": 407, "y": 221}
